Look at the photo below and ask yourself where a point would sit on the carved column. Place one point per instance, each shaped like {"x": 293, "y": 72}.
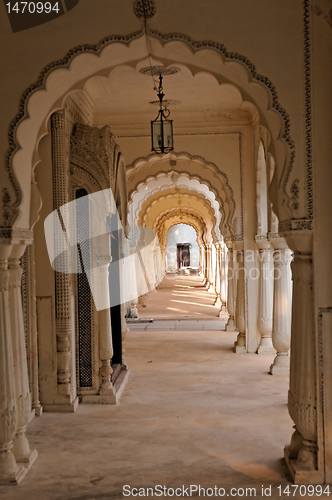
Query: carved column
{"x": 223, "y": 278}
{"x": 21, "y": 448}
{"x": 133, "y": 312}
{"x": 265, "y": 299}
{"x": 201, "y": 259}
{"x": 105, "y": 334}
{"x": 230, "y": 326}
{"x": 60, "y": 151}
{"x": 217, "y": 301}
{"x": 206, "y": 259}
{"x": 208, "y": 267}
{"x": 203, "y": 262}
{"x": 240, "y": 344}
{"x": 10, "y": 473}
{"x": 282, "y": 308}
{"x": 301, "y": 454}
{"x": 105, "y": 353}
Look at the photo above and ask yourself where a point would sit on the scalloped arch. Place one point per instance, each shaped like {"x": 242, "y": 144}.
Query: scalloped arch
{"x": 176, "y": 216}
{"x": 224, "y": 195}
{"x": 80, "y": 63}
{"x": 163, "y": 181}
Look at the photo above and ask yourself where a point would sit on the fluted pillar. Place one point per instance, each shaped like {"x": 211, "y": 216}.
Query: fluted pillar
{"x": 301, "y": 454}
{"x": 282, "y": 309}
{"x": 21, "y": 448}
{"x": 265, "y": 299}
{"x": 240, "y": 344}
{"x": 60, "y": 151}
{"x": 10, "y": 472}
{"x": 231, "y": 280}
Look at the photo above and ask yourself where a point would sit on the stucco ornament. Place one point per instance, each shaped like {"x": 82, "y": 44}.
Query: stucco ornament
{"x": 144, "y": 9}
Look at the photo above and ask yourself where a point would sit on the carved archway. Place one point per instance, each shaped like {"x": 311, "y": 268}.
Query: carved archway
{"x": 41, "y": 99}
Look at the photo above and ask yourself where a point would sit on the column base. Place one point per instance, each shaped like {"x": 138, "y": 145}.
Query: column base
{"x": 239, "y": 349}
{"x": 302, "y": 476}
{"x": 280, "y": 365}
{"x": 28, "y": 462}
{"x": 266, "y": 346}
{"x": 62, "y": 408}
{"x": 230, "y": 326}
{"x": 265, "y": 350}
{"x": 223, "y": 314}
{"x": 38, "y": 411}
{"x": 109, "y": 399}
{"x": 217, "y": 302}
{"x": 10, "y": 472}
{"x": 16, "y": 479}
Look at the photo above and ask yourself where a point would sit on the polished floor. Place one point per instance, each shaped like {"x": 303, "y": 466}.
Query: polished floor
{"x": 193, "y": 413}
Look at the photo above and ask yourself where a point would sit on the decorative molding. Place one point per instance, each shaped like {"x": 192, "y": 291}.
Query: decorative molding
{"x": 307, "y": 84}
{"x": 293, "y": 202}
{"x": 41, "y": 84}
{"x": 144, "y": 9}
{"x": 6, "y": 211}
{"x": 295, "y": 225}
{"x": 272, "y": 236}
{"x": 13, "y": 236}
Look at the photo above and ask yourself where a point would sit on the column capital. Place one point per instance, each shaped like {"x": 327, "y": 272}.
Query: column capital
{"x": 262, "y": 242}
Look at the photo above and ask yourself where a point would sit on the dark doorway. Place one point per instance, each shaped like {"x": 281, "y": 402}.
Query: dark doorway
{"x": 183, "y": 255}
{"x": 115, "y": 311}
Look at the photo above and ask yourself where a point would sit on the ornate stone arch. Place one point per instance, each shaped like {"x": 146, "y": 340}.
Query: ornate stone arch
{"x": 59, "y": 77}
{"x": 178, "y": 164}
{"x": 179, "y": 216}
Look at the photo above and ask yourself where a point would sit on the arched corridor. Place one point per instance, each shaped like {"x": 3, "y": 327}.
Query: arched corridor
{"x": 234, "y": 371}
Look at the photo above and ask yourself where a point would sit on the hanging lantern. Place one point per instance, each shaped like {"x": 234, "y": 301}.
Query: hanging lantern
{"x": 162, "y": 127}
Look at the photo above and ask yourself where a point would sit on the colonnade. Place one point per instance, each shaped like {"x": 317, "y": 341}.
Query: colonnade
{"x": 16, "y": 457}
{"x": 273, "y": 273}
